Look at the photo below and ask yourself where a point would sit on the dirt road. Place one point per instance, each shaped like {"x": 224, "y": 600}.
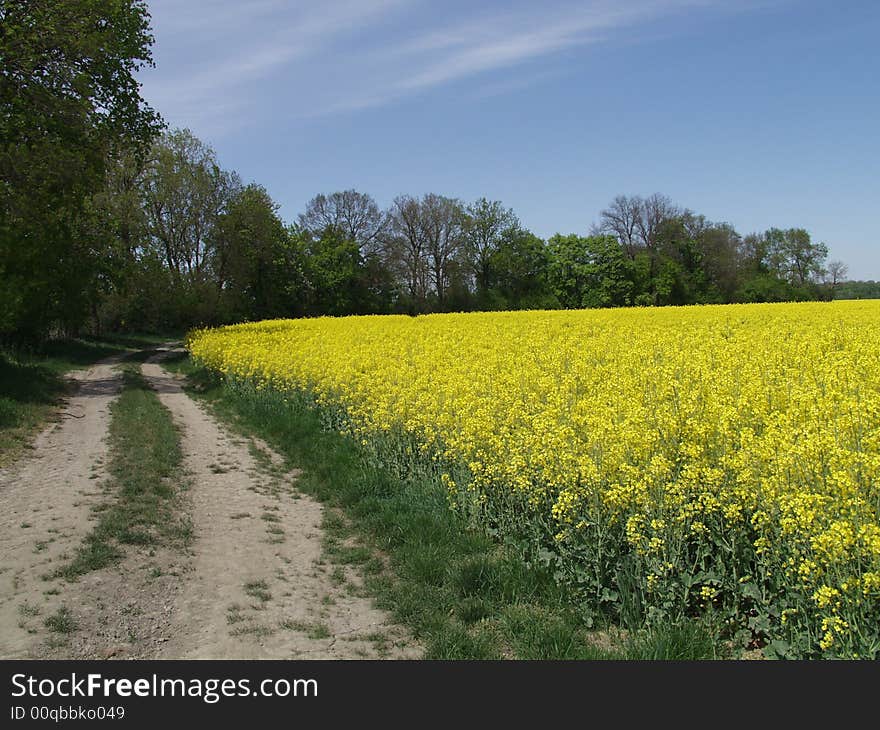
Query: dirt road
{"x": 251, "y": 584}
{"x": 45, "y": 509}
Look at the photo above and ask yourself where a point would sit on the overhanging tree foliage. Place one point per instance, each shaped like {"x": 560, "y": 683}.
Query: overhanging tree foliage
{"x": 70, "y": 108}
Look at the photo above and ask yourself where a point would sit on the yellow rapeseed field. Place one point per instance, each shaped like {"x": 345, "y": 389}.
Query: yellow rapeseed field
{"x": 669, "y": 461}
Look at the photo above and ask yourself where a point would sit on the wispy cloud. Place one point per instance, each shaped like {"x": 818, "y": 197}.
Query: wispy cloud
{"x": 209, "y": 52}
{"x": 493, "y": 42}
{"x": 218, "y": 59}
{"x": 515, "y": 82}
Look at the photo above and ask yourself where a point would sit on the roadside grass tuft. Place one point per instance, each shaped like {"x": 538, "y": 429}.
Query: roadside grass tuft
{"x": 61, "y": 622}
{"x": 314, "y": 630}
{"x": 258, "y": 589}
{"x": 676, "y": 642}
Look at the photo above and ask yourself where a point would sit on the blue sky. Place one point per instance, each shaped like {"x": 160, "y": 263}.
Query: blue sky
{"x": 757, "y": 112}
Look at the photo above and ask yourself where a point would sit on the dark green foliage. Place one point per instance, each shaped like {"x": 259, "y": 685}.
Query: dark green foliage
{"x": 858, "y": 290}
{"x": 589, "y": 272}
{"x": 339, "y": 280}
{"x": 253, "y": 258}
{"x": 519, "y": 273}
{"x": 346, "y": 257}
{"x": 69, "y": 105}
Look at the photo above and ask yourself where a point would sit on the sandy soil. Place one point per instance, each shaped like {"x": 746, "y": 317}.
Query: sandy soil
{"x": 257, "y": 587}
{"x": 45, "y": 509}
{"x": 251, "y": 584}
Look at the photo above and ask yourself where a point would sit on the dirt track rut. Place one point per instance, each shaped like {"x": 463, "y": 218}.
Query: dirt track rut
{"x": 45, "y": 508}
{"x": 257, "y": 587}
{"x": 251, "y": 584}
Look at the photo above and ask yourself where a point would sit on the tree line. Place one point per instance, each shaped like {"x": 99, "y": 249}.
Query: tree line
{"x": 202, "y": 247}
{"x": 108, "y": 220}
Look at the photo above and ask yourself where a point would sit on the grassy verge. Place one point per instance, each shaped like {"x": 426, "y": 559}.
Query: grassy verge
{"x": 462, "y": 594}
{"x": 144, "y": 468}
{"x": 32, "y": 383}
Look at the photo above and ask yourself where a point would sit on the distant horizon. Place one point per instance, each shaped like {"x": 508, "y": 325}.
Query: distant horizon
{"x": 760, "y": 116}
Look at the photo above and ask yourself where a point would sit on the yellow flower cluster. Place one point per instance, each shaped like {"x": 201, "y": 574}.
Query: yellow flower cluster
{"x": 674, "y": 426}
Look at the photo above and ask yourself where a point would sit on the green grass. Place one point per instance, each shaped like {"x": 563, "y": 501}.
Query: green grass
{"x": 314, "y": 630}
{"x": 25, "y": 609}
{"x": 258, "y": 589}
{"x": 61, "y": 622}
{"x": 144, "y": 466}
{"x": 462, "y": 594}
{"x": 676, "y": 642}
{"x": 32, "y": 383}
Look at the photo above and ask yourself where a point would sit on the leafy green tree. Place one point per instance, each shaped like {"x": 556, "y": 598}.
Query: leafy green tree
{"x": 184, "y": 195}
{"x": 340, "y": 280}
{"x": 679, "y": 274}
{"x": 781, "y": 265}
{"x": 794, "y": 257}
{"x": 251, "y": 260}
{"x": 589, "y": 272}
{"x": 518, "y": 273}
{"x": 858, "y": 290}
{"x": 144, "y": 301}
{"x": 485, "y": 225}
{"x": 720, "y": 246}
{"x": 185, "y": 192}
{"x": 122, "y": 220}
{"x": 69, "y": 106}
{"x": 765, "y": 287}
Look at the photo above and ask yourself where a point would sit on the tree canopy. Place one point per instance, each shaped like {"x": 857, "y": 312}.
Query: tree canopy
{"x": 70, "y": 108}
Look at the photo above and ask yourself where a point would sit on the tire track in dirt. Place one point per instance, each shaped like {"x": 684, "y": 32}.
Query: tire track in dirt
{"x": 257, "y": 587}
{"x": 45, "y": 509}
